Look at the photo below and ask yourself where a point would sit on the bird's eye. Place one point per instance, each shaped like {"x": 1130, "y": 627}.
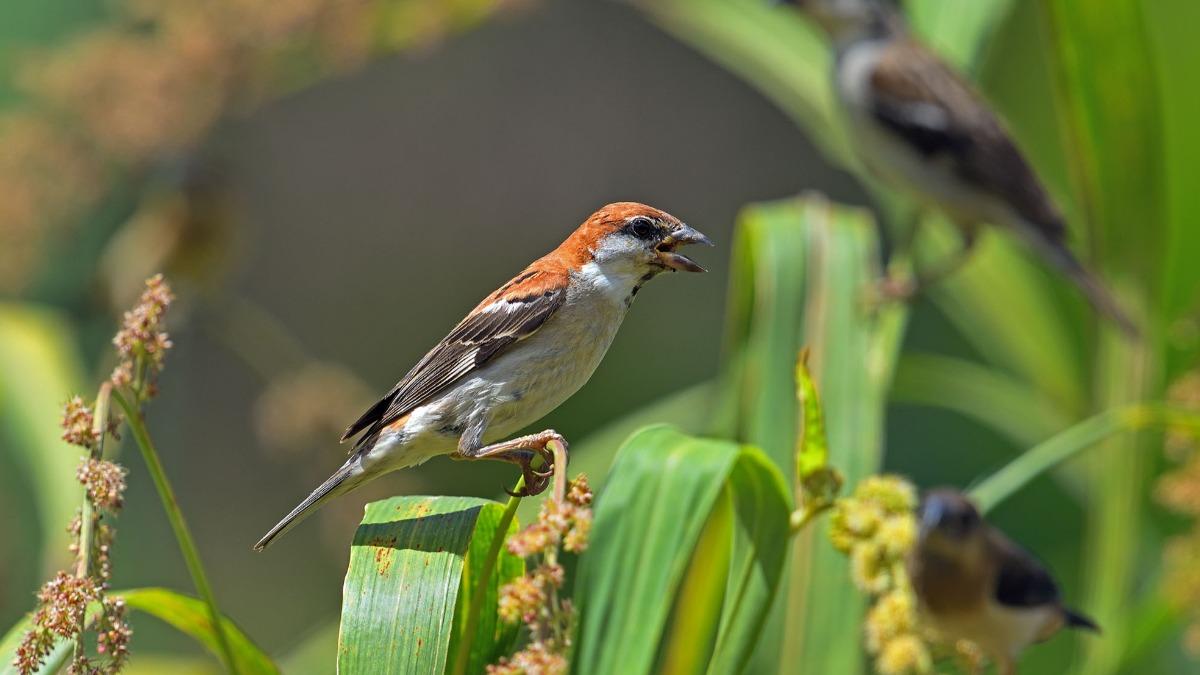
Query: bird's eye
{"x": 642, "y": 228}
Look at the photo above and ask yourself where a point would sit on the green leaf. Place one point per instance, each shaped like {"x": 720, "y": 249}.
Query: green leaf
{"x": 812, "y": 452}
{"x": 678, "y": 507}
{"x": 8, "y": 650}
{"x": 957, "y": 30}
{"x": 411, "y": 570}
{"x": 190, "y": 616}
{"x": 688, "y": 409}
{"x": 802, "y": 275}
{"x": 987, "y": 395}
{"x": 184, "y": 613}
{"x": 1114, "y": 146}
{"x": 41, "y": 369}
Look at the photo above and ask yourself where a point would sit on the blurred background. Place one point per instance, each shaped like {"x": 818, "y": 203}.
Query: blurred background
{"x": 307, "y": 172}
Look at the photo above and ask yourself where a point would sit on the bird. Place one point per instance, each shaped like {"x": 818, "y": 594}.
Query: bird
{"x": 974, "y": 583}
{"x": 521, "y": 352}
{"x": 919, "y": 125}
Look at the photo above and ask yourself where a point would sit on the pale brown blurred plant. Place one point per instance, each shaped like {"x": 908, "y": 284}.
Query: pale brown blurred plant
{"x": 1179, "y": 491}
{"x": 144, "y": 90}
{"x": 534, "y": 598}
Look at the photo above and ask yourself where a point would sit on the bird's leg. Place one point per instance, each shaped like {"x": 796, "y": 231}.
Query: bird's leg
{"x": 521, "y": 451}
{"x": 900, "y": 289}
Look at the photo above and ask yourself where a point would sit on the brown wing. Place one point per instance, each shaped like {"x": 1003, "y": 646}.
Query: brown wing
{"x": 513, "y": 313}
{"x": 921, "y": 99}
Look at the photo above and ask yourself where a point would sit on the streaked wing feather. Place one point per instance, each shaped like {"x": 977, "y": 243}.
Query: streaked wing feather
{"x": 910, "y": 83}
{"x": 497, "y": 323}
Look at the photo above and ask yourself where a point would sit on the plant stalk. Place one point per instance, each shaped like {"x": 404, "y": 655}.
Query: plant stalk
{"x": 88, "y": 516}
{"x": 485, "y": 577}
{"x": 187, "y": 546}
{"x": 1065, "y": 445}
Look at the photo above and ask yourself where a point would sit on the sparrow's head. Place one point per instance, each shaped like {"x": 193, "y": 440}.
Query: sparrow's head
{"x": 843, "y": 19}
{"x": 627, "y": 238}
{"x": 950, "y": 525}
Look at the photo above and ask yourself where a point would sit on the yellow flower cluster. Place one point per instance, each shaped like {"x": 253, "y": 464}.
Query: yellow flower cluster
{"x": 876, "y": 528}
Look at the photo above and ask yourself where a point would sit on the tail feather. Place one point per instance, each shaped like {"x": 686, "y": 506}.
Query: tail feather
{"x": 337, "y": 484}
{"x": 1077, "y": 620}
{"x": 1091, "y": 286}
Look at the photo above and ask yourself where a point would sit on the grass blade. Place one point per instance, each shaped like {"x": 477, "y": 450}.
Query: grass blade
{"x": 986, "y": 395}
{"x": 190, "y": 616}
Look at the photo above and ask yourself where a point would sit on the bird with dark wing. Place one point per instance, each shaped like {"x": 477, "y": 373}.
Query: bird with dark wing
{"x": 974, "y": 583}
{"x": 919, "y": 125}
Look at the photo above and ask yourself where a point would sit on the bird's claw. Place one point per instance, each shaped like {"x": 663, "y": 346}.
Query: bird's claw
{"x": 536, "y": 481}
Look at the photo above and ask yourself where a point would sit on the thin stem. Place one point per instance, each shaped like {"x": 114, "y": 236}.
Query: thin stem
{"x": 1065, "y": 445}
{"x": 800, "y": 518}
{"x": 478, "y": 593}
{"x": 88, "y": 517}
{"x": 560, "y": 470}
{"x": 187, "y": 546}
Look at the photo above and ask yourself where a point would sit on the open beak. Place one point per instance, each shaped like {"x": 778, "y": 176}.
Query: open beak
{"x": 681, "y": 236}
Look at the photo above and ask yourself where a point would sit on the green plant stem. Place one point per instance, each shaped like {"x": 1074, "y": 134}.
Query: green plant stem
{"x": 485, "y": 578}
{"x": 800, "y": 518}
{"x": 183, "y": 536}
{"x": 88, "y": 516}
{"x": 1063, "y": 446}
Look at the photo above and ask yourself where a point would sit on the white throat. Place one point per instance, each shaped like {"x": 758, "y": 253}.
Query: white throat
{"x": 616, "y": 281}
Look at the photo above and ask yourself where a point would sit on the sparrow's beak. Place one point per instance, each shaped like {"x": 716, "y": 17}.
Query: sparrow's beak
{"x": 681, "y": 236}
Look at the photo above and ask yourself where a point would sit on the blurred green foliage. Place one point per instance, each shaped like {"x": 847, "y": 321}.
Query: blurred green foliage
{"x": 999, "y": 360}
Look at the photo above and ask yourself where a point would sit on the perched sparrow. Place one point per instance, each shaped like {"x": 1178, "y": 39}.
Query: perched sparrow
{"x": 919, "y": 125}
{"x": 973, "y": 583}
{"x": 515, "y": 357}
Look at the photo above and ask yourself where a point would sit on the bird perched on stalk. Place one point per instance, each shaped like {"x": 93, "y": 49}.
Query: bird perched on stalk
{"x": 918, "y": 124}
{"x": 973, "y": 583}
{"x": 520, "y": 353}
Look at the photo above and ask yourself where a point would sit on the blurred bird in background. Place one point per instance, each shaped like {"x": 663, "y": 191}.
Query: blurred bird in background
{"x": 519, "y": 354}
{"x": 918, "y": 124}
{"x": 973, "y": 583}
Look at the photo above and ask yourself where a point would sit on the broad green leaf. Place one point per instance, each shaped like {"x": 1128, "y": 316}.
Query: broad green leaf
{"x": 987, "y": 395}
{"x": 802, "y": 274}
{"x": 981, "y": 299}
{"x": 678, "y": 507}
{"x": 40, "y": 370}
{"x": 190, "y": 616}
{"x": 690, "y": 410}
{"x": 957, "y": 30}
{"x": 183, "y": 613}
{"x": 412, "y": 566}
{"x": 1170, "y": 23}
{"x": 854, "y": 348}
{"x": 1113, "y": 141}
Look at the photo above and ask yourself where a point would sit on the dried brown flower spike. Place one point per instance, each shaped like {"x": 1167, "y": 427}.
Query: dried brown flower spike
{"x": 533, "y": 598}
